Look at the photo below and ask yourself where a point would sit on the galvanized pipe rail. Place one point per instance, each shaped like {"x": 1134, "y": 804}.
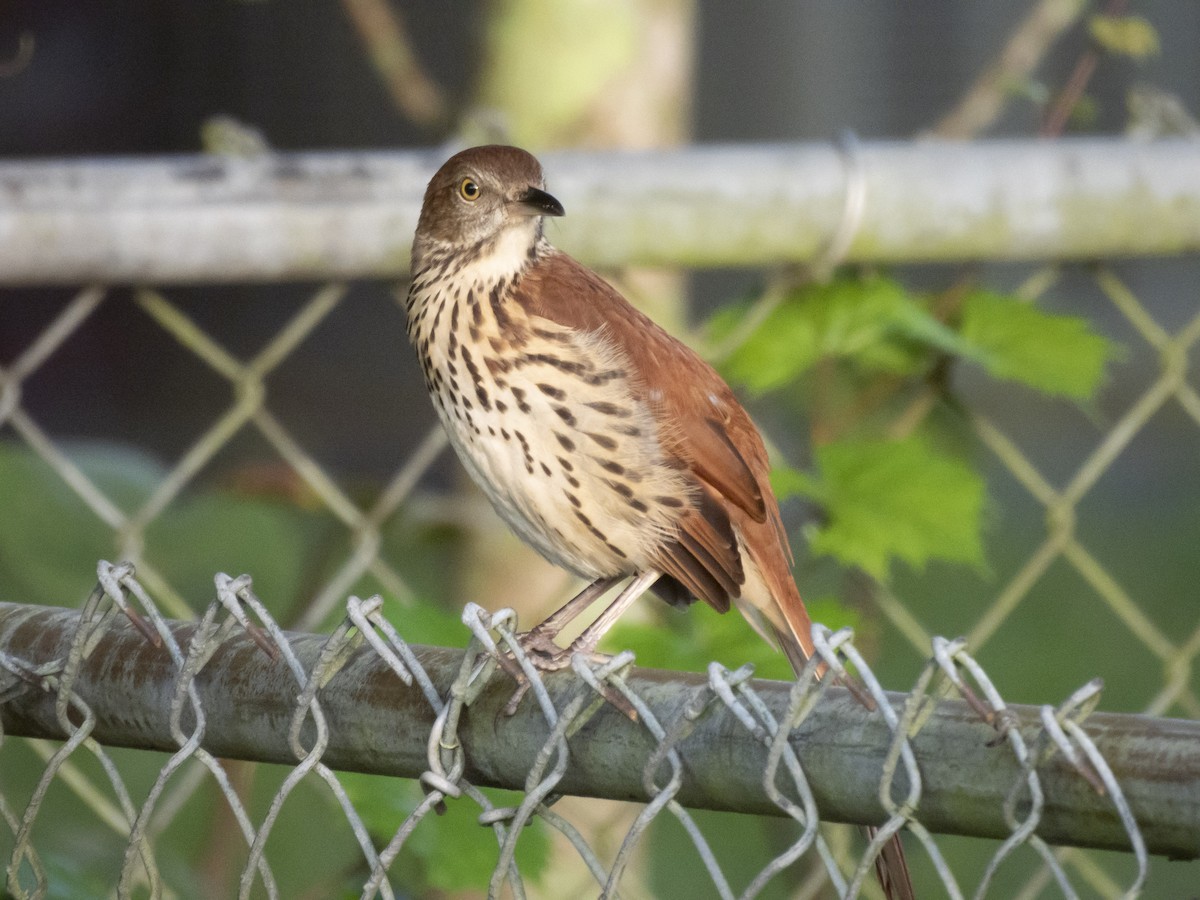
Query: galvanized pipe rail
{"x": 345, "y": 215}
{"x": 377, "y": 724}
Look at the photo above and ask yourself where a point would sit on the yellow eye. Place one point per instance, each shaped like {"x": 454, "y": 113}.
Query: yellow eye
{"x": 468, "y": 189}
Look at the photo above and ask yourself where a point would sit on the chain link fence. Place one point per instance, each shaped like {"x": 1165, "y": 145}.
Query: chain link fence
{"x": 362, "y": 698}
{"x": 55, "y": 687}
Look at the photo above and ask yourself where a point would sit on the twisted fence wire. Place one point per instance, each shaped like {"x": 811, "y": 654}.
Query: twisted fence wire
{"x": 494, "y": 648}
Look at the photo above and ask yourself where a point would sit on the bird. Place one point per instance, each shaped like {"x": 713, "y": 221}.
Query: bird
{"x": 606, "y": 444}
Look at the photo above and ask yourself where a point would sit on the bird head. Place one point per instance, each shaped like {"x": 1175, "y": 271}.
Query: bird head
{"x": 482, "y": 196}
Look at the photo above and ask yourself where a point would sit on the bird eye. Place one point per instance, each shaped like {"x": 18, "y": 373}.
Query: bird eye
{"x": 468, "y": 189}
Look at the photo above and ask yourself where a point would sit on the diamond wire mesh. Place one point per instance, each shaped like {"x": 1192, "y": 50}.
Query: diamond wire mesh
{"x": 1061, "y": 505}
{"x": 1175, "y": 651}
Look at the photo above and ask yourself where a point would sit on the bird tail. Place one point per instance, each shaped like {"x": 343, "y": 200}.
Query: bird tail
{"x": 891, "y": 866}
{"x": 770, "y": 590}
{"x": 772, "y": 603}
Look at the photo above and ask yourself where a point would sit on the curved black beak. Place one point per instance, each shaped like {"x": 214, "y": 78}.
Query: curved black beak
{"x": 536, "y": 202}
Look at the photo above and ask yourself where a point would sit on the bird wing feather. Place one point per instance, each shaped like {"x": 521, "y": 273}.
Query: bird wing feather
{"x": 706, "y": 432}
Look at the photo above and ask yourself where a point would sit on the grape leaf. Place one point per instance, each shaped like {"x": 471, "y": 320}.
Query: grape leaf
{"x": 890, "y": 500}
{"x": 873, "y": 322}
{"x": 1055, "y": 354}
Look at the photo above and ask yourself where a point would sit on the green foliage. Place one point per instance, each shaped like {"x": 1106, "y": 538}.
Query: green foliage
{"x": 699, "y": 636}
{"x": 743, "y": 845}
{"x": 908, "y": 499}
{"x": 71, "y": 875}
{"x": 447, "y": 852}
{"x": 50, "y": 540}
{"x": 202, "y": 534}
{"x": 873, "y": 322}
{"x": 428, "y": 623}
{"x": 1057, "y": 355}
{"x": 890, "y": 500}
{"x": 48, "y": 554}
{"x": 1131, "y": 36}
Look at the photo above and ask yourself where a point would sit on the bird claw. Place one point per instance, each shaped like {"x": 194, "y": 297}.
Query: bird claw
{"x": 547, "y": 656}
{"x": 510, "y": 708}
{"x": 543, "y": 653}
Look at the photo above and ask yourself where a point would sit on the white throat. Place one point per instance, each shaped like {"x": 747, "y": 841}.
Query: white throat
{"x": 508, "y": 255}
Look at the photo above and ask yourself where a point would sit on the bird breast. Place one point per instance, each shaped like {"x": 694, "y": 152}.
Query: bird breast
{"x": 551, "y": 424}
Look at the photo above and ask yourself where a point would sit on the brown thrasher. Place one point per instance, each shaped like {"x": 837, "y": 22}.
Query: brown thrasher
{"x": 605, "y": 443}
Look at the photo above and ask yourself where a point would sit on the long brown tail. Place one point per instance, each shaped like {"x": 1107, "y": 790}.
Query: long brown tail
{"x": 891, "y": 866}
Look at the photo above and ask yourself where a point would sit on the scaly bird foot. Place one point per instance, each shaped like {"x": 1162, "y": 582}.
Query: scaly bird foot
{"x": 547, "y": 656}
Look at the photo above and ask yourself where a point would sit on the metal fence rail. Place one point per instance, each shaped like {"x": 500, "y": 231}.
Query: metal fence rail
{"x": 218, "y": 219}
{"x": 361, "y": 699}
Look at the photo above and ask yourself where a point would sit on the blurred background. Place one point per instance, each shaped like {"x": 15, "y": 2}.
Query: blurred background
{"x": 125, "y": 402}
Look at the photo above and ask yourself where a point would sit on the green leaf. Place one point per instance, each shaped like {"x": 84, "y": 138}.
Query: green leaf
{"x": 1055, "y": 354}
{"x": 450, "y": 851}
{"x": 901, "y": 500}
{"x": 50, "y": 539}
{"x": 688, "y": 640}
{"x": 873, "y": 322}
{"x": 1131, "y": 36}
{"x": 205, "y": 533}
{"x": 788, "y": 482}
{"x": 426, "y": 622}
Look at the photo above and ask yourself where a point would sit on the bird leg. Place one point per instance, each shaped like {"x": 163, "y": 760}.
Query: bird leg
{"x": 538, "y": 642}
{"x": 587, "y": 641}
{"x": 548, "y": 656}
